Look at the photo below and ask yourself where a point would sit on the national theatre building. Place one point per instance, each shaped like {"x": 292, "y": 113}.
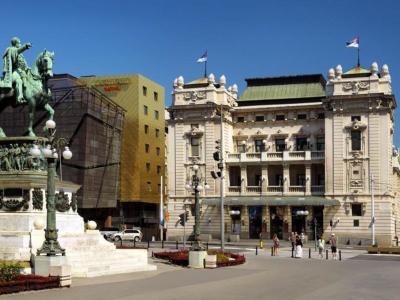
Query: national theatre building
{"x": 301, "y": 154}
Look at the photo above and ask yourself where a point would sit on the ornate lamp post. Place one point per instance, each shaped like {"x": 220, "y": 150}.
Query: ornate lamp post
{"x": 50, "y": 246}
{"x": 196, "y": 186}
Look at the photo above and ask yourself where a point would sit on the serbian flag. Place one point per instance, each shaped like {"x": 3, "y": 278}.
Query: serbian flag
{"x": 354, "y": 43}
{"x": 203, "y": 58}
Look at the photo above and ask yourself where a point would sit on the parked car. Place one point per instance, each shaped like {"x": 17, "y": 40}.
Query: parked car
{"x": 107, "y": 232}
{"x": 128, "y": 235}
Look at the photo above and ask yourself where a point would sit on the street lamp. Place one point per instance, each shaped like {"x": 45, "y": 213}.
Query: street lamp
{"x": 196, "y": 186}
{"x": 50, "y": 147}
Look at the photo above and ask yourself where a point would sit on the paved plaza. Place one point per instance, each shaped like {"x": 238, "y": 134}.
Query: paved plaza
{"x": 357, "y": 276}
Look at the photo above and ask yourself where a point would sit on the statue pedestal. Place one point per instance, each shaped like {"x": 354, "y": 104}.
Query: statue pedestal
{"x": 196, "y": 259}
{"x": 43, "y": 264}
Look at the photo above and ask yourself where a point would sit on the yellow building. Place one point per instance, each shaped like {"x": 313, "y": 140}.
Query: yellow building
{"x": 143, "y": 142}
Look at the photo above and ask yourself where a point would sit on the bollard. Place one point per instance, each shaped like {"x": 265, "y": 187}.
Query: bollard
{"x": 162, "y": 244}
{"x": 176, "y": 245}
{"x": 134, "y": 243}
{"x": 256, "y": 250}
{"x": 272, "y": 251}
{"x": 340, "y": 254}
{"x": 204, "y": 263}
{"x": 148, "y": 244}
{"x": 309, "y": 252}
{"x": 207, "y": 245}
{"x": 326, "y": 254}
{"x": 152, "y": 254}
{"x": 292, "y": 253}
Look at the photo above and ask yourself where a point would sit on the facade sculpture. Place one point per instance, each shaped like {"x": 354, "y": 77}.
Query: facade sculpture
{"x": 14, "y": 157}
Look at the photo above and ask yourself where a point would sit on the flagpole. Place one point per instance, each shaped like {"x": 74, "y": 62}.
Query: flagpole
{"x": 205, "y": 69}
{"x": 358, "y": 56}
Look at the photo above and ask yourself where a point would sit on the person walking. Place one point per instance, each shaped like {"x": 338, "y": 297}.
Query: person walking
{"x": 275, "y": 247}
{"x": 292, "y": 240}
{"x": 333, "y": 246}
{"x": 321, "y": 247}
{"x": 299, "y": 247}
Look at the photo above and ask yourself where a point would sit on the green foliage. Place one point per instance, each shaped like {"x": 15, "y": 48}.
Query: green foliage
{"x": 9, "y": 270}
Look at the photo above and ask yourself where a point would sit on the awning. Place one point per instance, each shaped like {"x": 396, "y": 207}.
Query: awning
{"x": 272, "y": 201}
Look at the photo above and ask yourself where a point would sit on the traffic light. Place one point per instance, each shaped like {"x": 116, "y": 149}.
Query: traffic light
{"x": 216, "y": 156}
{"x": 183, "y": 218}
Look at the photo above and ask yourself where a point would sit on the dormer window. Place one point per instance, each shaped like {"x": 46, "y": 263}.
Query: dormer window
{"x": 356, "y": 118}
{"x": 259, "y": 118}
{"x": 240, "y": 119}
{"x": 280, "y": 118}
{"x": 301, "y": 116}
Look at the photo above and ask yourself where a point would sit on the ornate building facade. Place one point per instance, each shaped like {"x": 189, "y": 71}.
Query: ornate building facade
{"x": 301, "y": 154}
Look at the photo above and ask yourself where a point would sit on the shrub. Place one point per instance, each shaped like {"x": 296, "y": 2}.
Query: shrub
{"x": 10, "y": 270}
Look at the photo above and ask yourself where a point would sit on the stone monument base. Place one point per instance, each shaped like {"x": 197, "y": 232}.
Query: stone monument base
{"x": 196, "y": 259}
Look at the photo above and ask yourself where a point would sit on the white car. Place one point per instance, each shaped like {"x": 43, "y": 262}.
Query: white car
{"x": 128, "y": 235}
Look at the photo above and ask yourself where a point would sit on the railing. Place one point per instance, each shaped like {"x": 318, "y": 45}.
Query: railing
{"x": 254, "y": 155}
{"x": 317, "y": 189}
{"x": 317, "y": 154}
{"x": 297, "y": 154}
{"x": 234, "y": 189}
{"x": 253, "y": 189}
{"x": 275, "y": 155}
{"x": 297, "y": 189}
{"x": 234, "y": 156}
{"x": 275, "y": 189}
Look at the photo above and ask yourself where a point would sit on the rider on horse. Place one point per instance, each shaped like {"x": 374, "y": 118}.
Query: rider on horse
{"x": 15, "y": 68}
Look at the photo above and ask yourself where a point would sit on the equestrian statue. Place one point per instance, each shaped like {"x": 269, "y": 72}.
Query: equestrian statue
{"x": 21, "y": 85}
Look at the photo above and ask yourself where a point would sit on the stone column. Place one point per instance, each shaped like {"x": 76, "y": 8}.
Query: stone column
{"x": 286, "y": 178}
{"x": 243, "y": 176}
{"x": 264, "y": 175}
{"x": 308, "y": 179}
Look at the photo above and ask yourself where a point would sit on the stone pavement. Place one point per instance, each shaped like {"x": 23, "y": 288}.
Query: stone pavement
{"x": 262, "y": 277}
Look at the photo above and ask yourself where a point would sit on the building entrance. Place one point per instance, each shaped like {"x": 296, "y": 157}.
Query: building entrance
{"x": 255, "y": 221}
{"x": 298, "y": 220}
{"x": 276, "y": 221}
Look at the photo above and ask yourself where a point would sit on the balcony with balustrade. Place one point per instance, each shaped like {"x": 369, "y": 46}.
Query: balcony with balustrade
{"x": 284, "y": 156}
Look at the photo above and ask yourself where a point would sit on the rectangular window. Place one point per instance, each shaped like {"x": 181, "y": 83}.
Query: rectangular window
{"x": 148, "y": 167}
{"x": 259, "y": 118}
{"x": 321, "y": 179}
{"x": 301, "y": 143}
{"x": 302, "y": 116}
{"x": 355, "y": 118}
{"x": 148, "y": 186}
{"x": 159, "y": 188}
{"x": 146, "y": 129}
{"x": 280, "y": 118}
{"x": 158, "y": 169}
{"x": 241, "y": 147}
{"x": 145, "y": 109}
{"x": 144, "y": 91}
{"x": 259, "y": 145}
{"x": 356, "y": 223}
{"x": 320, "y": 143}
{"x": 280, "y": 145}
{"x": 195, "y": 146}
{"x": 155, "y": 95}
{"x": 279, "y": 179}
{"x": 301, "y": 179}
{"x": 158, "y": 151}
{"x": 355, "y": 140}
{"x": 356, "y": 209}
{"x": 157, "y": 132}
{"x": 147, "y": 148}
{"x": 156, "y": 114}
{"x": 240, "y": 119}
{"x": 321, "y": 116}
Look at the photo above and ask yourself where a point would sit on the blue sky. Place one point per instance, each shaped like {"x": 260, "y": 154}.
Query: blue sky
{"x": 163, "y": 39}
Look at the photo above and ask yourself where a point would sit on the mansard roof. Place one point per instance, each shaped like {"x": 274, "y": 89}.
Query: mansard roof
{"x": 283, "y": 88}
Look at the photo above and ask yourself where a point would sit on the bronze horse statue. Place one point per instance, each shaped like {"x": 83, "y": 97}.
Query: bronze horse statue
{"x": 36, "y": 92}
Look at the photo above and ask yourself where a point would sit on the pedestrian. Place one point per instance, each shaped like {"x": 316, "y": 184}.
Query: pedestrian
{"x": 299, "y": 248}
{"x": 275, "y": 247}
{"x": 292, "y": 240}
{"x": 321, "y": 247}
{"x": 334, "y": 246}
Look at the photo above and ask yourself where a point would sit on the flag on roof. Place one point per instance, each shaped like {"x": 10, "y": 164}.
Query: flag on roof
{"x": 354, "y": 43}
{"x": 203, "y": 58}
